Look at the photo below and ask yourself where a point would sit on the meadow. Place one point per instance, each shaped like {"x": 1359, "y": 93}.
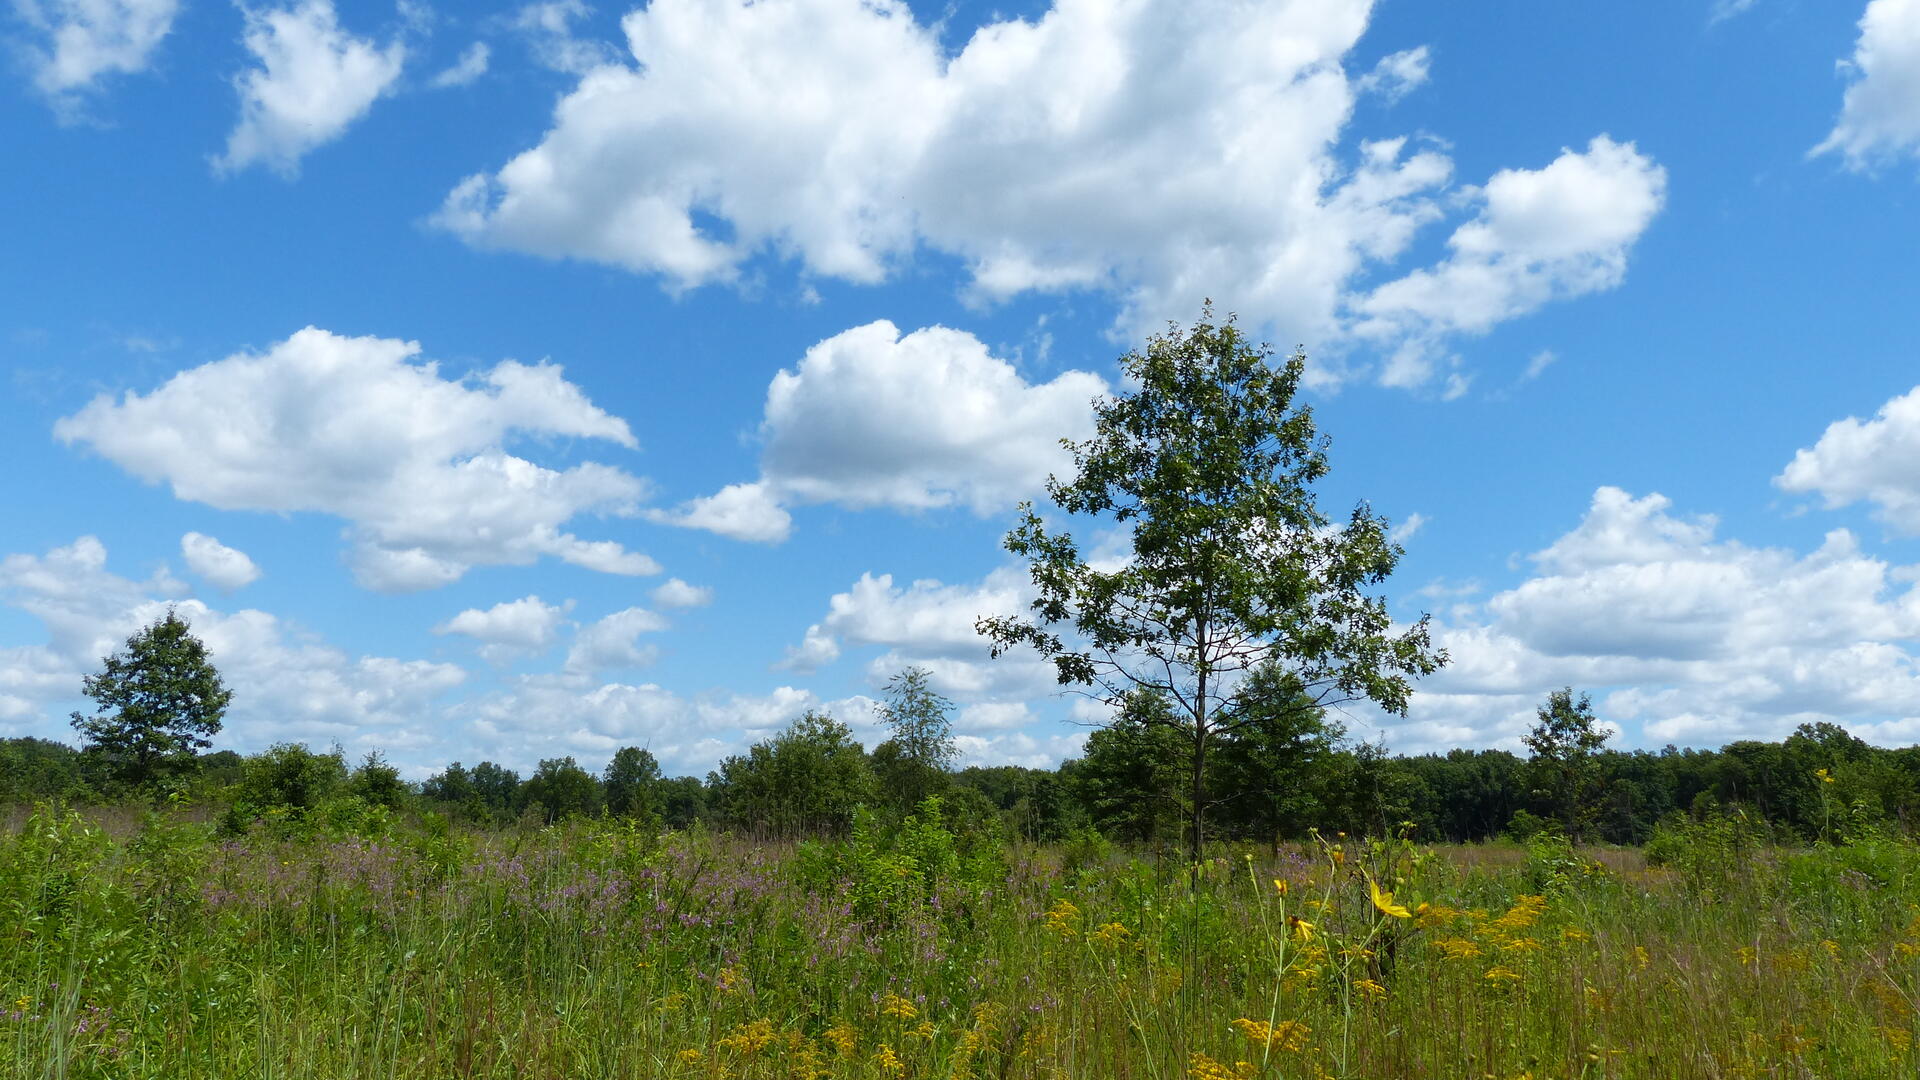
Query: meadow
{"x": 152, "y": 947}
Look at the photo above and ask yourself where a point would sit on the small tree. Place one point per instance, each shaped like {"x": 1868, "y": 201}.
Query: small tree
{"x": 1566, "y": 775}
{"x": 559, "y": 788}
{"x": 632, "y": 782}
{"x": 913, "y": 764}
{"x": 1211, "y": 467}
{"x": 157, "y": 704}
{"x": 808, "y": 778}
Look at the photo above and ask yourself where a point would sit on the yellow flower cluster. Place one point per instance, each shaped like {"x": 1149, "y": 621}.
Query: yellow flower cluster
{"x": 985, "y": 1023}
{"x": 1109, "y": 935}
{"x": 887, "y": 1061}
{"x": 1063, "y": 918}
{"x": 841, "y": 1036}
{"x": 748, "y": 1039}
{"x": 892, "y": 1004}
{"x": 1288, "y": 1035}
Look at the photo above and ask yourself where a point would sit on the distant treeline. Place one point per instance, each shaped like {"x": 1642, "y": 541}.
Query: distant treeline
{"x": 813, "y": 778}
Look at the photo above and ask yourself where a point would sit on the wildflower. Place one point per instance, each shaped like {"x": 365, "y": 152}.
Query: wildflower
{"x": 1062, "y": 917}
{"x": 1202, "y": 1067}
{"x": 728, "y": 981}
{"x": 1280, "y": 885}
{"x": 1370, "y": 989}
{"x": 892, "y": 1004}
{"x": 1110, "y": 935}
{"x": 1746, "y": 955}
{"x": 1288, "y": 1035}
{"x": 1571, "y": 935}
{"x": 887, "y": 1061}
{"x": 1384, "y": 901}
{"x": 1640, "y": 955}
{"x": 1300, "y": 928}
{"x": 748, "y": 1039}
{"x": 690, "y": 1056}
{"x": 1501, "y": 976}
{"x": 842, "y": 1037}
{"x": 1457, "y": 948}
{"x": 1825, "y": 776}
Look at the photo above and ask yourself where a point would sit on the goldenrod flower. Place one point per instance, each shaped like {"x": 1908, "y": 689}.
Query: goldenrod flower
{"x": 887, "y": 1061}
{"x": 1384, "y": 901}
{"x": 892, "y": 1004}
{"x": 1501, "y": 976}
{"x": 1370, "y": 989}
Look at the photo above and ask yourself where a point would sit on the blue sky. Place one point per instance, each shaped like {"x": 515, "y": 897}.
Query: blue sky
{"x": 519, "y": 381}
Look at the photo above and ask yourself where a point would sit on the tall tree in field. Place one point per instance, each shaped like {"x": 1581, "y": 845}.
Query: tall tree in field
{"x": 1566, "y": 775}
{"x": 632, "y": 782}
{"x": 157, "y": 703}
{"x": 1211, "y": 467}
{"x": 913, "y": 763}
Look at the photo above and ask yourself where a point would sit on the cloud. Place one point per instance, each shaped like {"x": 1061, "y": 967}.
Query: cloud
{"x": 548, "y": 30}
{"x": 1541, "y": 234}
{"x": 1880, "y": 115}
{"x": 357, "y": 428}
{"x": 313, "y": 81}
{"x": 739, "y": 511}
{"x": 1396, "y": 76}
{"x": 221, "y": 566}
{"x": 1727, "y": 9}
{"x": 1407, "y": 529}
{"x": 674, "y": 593}
{"x": 471, "y": 65}
{"x": 1538, "y": 364}
{"x": 286, "y": 683}
{"x": 511, "y": 629}
{"x": 1866, "y": 460}
{"x": 78, "y": 43}
{"x": 1698, "y": 639}
{"x": 1152, "y": 152}
{"x": 916, "y": 422}
{"x": 609, "y": 643}
{"x": 930, "y": 625}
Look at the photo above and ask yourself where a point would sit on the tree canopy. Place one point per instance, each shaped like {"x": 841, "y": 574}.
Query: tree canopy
{"x": 158, "y": 703}
{"x": 1209, "y": 466}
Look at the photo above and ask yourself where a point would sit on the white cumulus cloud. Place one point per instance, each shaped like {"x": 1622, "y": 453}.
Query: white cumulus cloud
{"x": 222, "y": 566}
{"x": 931, "y": 419}
{"x": 674, "y": 593}
{"x": 1700, "y": 640}
{"x": 1880, "y": 114}
{"x": 612, "y": 642}
{"x": 358, "y": 428}
{"x": 1866, "y": 460}
{"x": 510, "y": 629}
{"x": 75, "y": 44}
{"x": 287, "y": 684}
{"x": 471, "y": 65}
{"x": 311, "y": 82}
{"x": 1154, "y": 152}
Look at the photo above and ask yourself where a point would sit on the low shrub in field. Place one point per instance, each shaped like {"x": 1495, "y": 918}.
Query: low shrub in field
{"x": 915, "y": 949}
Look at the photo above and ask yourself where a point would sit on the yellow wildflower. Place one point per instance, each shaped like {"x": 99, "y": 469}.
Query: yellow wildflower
{"x": 1457, "y": 948}
{"x": 842, "y": 1037}
{"x": 1288, "y": 1035}
{"x": 1370, "y": 989}
{"x": 1825, "y": 776}
{"x": 690, "y": 1056}
{"x": 1300, "y": 928}
{"x": 887, "y": 1061}
{"x": 1501, "y": 976}
{"x": 892, "y": 1004}
{"x": 1384, "y": 901}
{"x": 1063, "y": 918}
{"x": 1280, "y": 886}
{"x": 1110, "y": 935}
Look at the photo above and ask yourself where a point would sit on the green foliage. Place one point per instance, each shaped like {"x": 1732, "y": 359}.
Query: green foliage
{"x": 1211, "y": 466}
{"x": 911, "y": 766}
{"x": 809, "y": 778}
{"x": 1566, "y": 777}
{"x": 632, "y": 784}
{"x": 559, "y": 788}
{"x": 156, "y": 704}
{"x": 378, "y": 783}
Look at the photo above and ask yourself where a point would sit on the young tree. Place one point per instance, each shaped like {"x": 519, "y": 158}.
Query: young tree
{"x": 632, "y": 782}
{"x": 1211, "y": 466}
{"x": 913, "y": 763}
{"x": 560, "y": 788}
{"x": 808, "y": 778}
{"x": 157, "y": 703}
{"x": 1565, "y": 774}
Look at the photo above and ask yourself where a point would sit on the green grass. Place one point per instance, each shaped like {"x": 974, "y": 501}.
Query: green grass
{"x": 599, "y": 951}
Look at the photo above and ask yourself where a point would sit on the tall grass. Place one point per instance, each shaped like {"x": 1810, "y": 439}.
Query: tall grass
{"x": 601, "y": 951}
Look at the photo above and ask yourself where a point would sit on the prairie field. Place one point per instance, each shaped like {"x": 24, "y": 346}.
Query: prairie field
{"x": 601, "y": 950}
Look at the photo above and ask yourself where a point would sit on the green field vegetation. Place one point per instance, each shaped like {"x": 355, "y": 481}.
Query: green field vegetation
{"x": 917, "y": 948}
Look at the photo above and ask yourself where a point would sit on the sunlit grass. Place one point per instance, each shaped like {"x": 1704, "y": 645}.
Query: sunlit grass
{"x": 599, "y": 951}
